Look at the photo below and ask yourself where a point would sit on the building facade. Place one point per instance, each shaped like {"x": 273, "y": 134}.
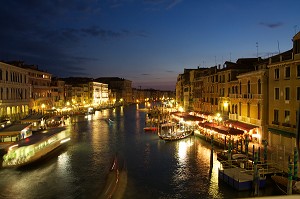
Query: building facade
{"x": 284, "y": 96}
{"x": 14, "y": 92}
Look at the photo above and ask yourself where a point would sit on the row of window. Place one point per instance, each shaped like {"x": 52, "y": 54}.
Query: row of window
{"x": 286, "y": 116}
{"x": 287, "y": 93}
{"x": 287, "y": 72}
{"x": 13, "y": 76}
{"x": 234, "y": 89}
{"x": 13, "y": 93}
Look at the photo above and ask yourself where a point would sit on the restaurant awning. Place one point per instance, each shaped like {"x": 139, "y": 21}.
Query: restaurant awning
{"x": 240, "y": 125}
{"x": 188, "y": 117}
{"x": 221, "y": 129}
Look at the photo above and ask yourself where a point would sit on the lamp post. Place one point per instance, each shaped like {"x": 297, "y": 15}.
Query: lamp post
{"x": 218, "y": 118}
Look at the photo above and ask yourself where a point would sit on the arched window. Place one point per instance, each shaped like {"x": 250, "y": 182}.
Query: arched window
{"x": 259, "y": 87}
{"x": 248, "y": 87}
{"x": 0, "y": 74}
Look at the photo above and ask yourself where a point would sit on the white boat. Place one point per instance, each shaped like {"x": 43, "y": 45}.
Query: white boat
{"x": 173, "y": 132}
{"x": 34, "y": 148}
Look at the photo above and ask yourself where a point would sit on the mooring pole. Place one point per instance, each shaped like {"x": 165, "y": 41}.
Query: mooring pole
{"x": 212, "y": 152}
{"x": 290, "y": 177}
{"x": 295, "y": 177}
{"x": 256, "y": 175}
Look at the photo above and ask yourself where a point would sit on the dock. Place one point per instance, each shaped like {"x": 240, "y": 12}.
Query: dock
{"x": 239, "y": 178}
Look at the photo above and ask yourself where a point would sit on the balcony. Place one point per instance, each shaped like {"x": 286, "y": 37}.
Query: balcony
{"x": 257, "y": 96}
{"x": 248, "y": 96}
{"x": 275, "y": 122}
{"x": 286, "y": 124}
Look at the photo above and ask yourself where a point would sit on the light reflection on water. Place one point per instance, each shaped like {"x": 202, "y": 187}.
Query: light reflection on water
{"x": 156, "y": 169}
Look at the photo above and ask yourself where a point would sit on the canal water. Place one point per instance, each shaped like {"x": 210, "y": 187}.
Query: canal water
{"x": 155, "y": 169}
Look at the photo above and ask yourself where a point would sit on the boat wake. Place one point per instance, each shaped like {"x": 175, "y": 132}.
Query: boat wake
{"x": 116, "y": 182}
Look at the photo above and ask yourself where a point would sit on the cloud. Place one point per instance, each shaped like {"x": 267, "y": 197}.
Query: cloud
{"x": 145, "y": 74}
{"x": 169, "y": 71}
{"x": 172, "y": 4}
{"x": 271, "y": 25}
{"x": 166, "y": 4}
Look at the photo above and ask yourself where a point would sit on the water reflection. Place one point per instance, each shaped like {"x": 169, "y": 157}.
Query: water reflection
{"x": 156, "y": 169}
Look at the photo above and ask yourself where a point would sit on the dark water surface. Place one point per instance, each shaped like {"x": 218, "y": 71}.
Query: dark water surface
{"x": 155, "y": 169}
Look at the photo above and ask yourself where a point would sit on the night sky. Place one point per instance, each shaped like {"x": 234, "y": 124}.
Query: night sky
{"x": 148, "y": 42}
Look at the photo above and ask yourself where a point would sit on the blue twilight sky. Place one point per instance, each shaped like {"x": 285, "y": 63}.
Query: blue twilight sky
{"x": 148, "y": 42}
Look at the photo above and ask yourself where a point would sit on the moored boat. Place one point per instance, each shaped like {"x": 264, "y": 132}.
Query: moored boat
{"x": 34, "y": 148}
{"x": 282, "y": 182}
{"x": 150, "y": 128}
{"x": 174, "y": 131}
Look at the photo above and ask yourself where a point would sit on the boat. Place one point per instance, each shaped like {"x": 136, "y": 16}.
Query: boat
{"x": 150, "y": 128}
{"x": 282, "y": 182}
{"x": 35, "y": 147}
{"x": 173, "y": 132}
{"x": 239, "y": 178}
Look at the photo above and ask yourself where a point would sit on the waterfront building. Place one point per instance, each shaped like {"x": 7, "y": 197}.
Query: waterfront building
{"x": 208, "y": 86}
{"x": 40, "y": 87}
{"x": 122, "y": 87}
{"x": 77, "y": 96}
{"x": 14, "y": 92}
{"x": 284, "y": 96}
{"x": 259, "y": 96}
{"x": 184, "y": 93}
{"x": 58, "y": 93}
{"x": 179, "y": 91}
{"x": 248, "y": 100}
{"x": 98, "y": 94}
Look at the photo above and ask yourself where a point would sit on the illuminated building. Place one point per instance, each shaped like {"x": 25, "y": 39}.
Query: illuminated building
{"x": 284, "y": 96}
{"x": 14, "y": 92}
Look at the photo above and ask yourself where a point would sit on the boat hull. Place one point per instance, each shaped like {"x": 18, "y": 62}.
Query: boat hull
{"x": 174, "y": 138}
{"x": 239, "y": 180}
{"x": 28, "y": 154}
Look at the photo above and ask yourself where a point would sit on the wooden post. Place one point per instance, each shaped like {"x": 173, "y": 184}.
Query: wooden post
{"x": 256, "y": 175}
{"x": 212, "y": 152}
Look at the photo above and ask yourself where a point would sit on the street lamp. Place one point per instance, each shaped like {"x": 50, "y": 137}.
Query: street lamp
{"x": 218, "y": 118}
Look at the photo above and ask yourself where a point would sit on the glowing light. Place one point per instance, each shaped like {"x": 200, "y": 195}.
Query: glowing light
{"x": 65, "y": 140}
{"x": 180, "y": 109}
{"x": 10, "y": 148}
{"x": 225, "y": 104}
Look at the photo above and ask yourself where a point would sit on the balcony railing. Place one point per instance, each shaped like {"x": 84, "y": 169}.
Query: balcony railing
{"x": 286, "y": 124}
{"x": 275, "y": 122}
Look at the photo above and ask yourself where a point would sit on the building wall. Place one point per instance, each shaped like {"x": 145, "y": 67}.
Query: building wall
{"x": 40, "y": 89}
{"x": 284, "y": 99}
{"x": 14, "y": 92}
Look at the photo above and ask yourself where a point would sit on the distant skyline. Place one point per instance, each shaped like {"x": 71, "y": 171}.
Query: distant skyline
{"x": 148, "y": 42}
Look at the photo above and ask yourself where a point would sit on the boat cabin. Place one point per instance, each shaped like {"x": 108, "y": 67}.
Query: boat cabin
{"x": 15, "y": 132}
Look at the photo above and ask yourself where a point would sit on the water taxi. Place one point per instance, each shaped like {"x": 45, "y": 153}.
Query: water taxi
{"x": 35, "y": 147}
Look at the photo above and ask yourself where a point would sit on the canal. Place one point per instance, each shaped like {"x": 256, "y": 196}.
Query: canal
{"x": 155, "y": 169}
